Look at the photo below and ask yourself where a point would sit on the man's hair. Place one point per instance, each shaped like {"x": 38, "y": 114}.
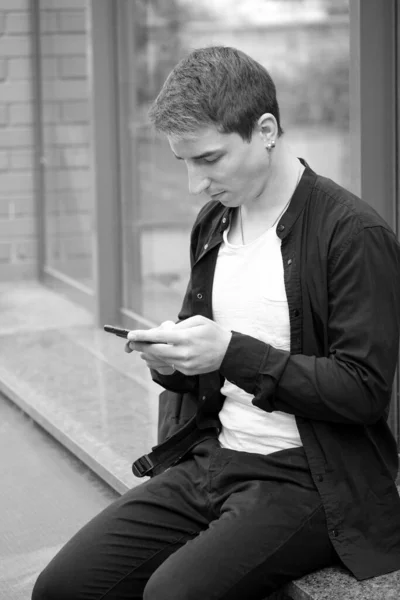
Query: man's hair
{"x": 218, "y": 86}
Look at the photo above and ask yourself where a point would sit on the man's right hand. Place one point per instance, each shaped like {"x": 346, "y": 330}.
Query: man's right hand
{"x": 162, "y": 367}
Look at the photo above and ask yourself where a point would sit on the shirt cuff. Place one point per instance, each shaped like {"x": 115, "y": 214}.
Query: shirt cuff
{"x": 255, "y": 367}
{"x": 242, "y": 361}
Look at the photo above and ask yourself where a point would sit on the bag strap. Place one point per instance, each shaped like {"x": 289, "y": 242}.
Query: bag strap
{"x": 171, "y": 451}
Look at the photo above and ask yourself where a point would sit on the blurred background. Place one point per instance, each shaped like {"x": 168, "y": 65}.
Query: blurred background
{"x": 95, "y": 215}
{"x": 303, "y": 43}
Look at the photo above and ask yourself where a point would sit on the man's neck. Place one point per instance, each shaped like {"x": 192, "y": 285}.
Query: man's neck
{"x": 284, "y": 174}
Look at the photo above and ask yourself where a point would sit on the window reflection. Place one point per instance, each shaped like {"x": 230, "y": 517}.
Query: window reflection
{"x": 304, "y": 44}
{"x": 65, "y": 133}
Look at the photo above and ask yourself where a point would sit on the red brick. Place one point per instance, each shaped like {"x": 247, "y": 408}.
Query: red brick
{"x": 62, "y": 44}
{"x": 12, "y": 45}
{"x": 21, "y": 160}
{"x": 20, "y": 114}
{"x": 3, "y": 160}
{"x": 49, "y": 67}
{"x": 4, "y": 207}
{"x": 3, "y": 115}
{"x": 15, "y": 4}
{"x": 73, "y": 157}
{"x": 51, "y": 113}
{"x": 72, "y": 21}
{"x": 16, "y": 91}
{"x": 11, "y": 182}
{"x": 48, "y": 21}
{"x": 75, "y": 112}
{"x": 65, "y": 90}
{"x": 5, "y": 252}
{"x": 68, "y": 179}
{"x": 73, "y": 67}
{"x": 21, "y": 206}
{"x": 16, "y": 137}
{"x": 3, "y": 69}
{"x": 17, "y": 23}
{"x": 66, "y": 4}
{"x": 68, "y": 135}
{"x": 65, "y": 203}
{"x": 19, "y": 68}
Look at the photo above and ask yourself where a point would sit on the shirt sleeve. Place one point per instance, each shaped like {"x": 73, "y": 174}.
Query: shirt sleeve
{"x": 353, "y": 383}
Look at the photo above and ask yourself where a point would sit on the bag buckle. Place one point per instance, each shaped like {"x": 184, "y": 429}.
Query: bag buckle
{"x": 142, "y": 466}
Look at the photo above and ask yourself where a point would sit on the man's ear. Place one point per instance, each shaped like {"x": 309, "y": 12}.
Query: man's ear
{"x": 268, "y": 128}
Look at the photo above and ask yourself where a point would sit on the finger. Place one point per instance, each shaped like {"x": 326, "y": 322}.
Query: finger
{"x": 157, "y": 336}
{"x": 128, "y": 348}
{"x": 165, "y": 353}
{"x": 153, "y": 363}
{"x": 165, "y": 370}
{"x": 195, "y": 321}
{"x": 167, "y": 325}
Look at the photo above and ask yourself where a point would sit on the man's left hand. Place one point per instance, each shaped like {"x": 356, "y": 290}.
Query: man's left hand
{"x": 194, "y": 346}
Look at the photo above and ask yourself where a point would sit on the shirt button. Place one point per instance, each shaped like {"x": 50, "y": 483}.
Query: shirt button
{"x": 203, "y": 397}
{"x": 205, "y": 246}
{"x": 320, "y": 478}
{"x": 281, "y": 227}
{"x": 224, "y": 220}
{"x": 296, "y": 312}
{"x": 200, "y": 296}
{"x": 334, "y": 533}
{"x": 289, "y": 262}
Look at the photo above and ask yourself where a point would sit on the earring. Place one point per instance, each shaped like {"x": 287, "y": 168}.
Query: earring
{"x": 270, "y": 145}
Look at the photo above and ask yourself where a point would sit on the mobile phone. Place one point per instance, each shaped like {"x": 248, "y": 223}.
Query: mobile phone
{"x": 124, "y": 333}
{"x": 116, "y": 331}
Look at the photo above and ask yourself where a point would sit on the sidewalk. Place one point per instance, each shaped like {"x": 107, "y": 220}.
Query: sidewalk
{"x": 46, "y": 495}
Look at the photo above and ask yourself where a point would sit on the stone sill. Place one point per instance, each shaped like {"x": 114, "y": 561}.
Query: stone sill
{"x": 99, "y": 402}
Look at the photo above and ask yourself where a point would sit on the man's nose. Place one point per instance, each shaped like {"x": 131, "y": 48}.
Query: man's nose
{"x": 197, "y": 183}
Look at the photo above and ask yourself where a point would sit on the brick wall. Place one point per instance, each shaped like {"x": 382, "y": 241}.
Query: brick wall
{"x": 65, "y": 116}
{"x": 17, "y": 223}
{"x": 65, "y": 113}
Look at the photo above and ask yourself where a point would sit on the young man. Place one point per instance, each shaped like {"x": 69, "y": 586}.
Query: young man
{"x": 276, "y": 458}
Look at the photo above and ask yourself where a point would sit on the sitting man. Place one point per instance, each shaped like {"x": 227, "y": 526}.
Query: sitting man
{"x": 275, "y": 457}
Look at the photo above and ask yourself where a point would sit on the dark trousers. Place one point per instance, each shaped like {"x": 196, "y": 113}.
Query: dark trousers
{"x": 220, "y": 525}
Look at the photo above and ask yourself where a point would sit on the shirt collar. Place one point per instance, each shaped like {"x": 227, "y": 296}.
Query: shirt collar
{"x": 296, "y": 205}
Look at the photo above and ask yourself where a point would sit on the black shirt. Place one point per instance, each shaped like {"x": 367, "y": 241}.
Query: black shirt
{"x": 342, "y": 278}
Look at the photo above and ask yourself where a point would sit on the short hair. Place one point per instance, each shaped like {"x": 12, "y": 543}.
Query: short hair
{"x": 216, "y": 85}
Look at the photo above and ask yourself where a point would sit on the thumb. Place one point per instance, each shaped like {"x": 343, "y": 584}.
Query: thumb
{"x": 167, "y": 325}
{"x": 192, "y": 322}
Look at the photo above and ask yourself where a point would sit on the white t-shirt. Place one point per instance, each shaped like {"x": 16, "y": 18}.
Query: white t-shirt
{"x": 249, "y": 296}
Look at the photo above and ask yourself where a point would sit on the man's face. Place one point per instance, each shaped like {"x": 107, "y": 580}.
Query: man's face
{"x": 222, "y": 165}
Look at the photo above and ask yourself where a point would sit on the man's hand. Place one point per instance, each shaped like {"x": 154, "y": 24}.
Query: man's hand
{"x": 194, "y": 346}
{"x": 157, "y": 364}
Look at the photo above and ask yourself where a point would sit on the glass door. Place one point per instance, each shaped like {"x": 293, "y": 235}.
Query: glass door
{"x": 305, "y": 46}
{"x": 65, "y": 153}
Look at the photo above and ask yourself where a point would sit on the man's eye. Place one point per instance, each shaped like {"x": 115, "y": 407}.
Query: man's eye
{"x": 211, "y": 160}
